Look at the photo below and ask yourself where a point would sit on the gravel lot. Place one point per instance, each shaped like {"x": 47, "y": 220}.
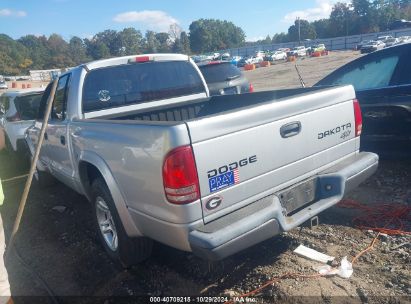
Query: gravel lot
{"x": 283, "y": 75}
{"x": 60, "y": 245}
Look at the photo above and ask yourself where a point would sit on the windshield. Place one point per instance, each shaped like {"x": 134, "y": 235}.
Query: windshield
{"x": 219, "y": 72}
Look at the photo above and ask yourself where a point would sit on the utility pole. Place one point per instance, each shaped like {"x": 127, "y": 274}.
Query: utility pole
{"x": 299, "y": 31}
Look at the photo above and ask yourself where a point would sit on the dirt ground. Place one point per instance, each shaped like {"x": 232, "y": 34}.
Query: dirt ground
{"x": 283, "y": 75}
{"x": 60, "y": 248}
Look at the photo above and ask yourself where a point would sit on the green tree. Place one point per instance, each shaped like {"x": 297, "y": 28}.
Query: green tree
{"x": 111, "y": 40}
{"x": 163, "y": 42}
{"x": 367, "y": 16}
{"x": 185, "y": 42}
{"x": 78, "y": 50}
{"x": 151, "y": 42}
{"x": 96, "y": 49}
{"x": 322, "y": 28}
{"x": 341, "y": 20}
{"x": 38, "y": 50}
{"x": 208, "y": 35}
{"x": 131, "y": 41}
{"x": 58, "y": 50}
{"x": 280, "y": 38}
{"x": 14, "y": 57}
{"x": 307, "y": 31}
{"x": 267, "y": 40}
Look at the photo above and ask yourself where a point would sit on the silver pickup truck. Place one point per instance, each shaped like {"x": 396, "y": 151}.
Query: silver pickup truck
{"x": 160, "y": 160}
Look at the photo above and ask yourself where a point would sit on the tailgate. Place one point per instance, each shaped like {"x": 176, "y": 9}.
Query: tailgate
{"x": 243, "y": 153}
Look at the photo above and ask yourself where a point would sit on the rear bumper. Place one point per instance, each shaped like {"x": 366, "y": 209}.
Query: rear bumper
{"x": 266, "y": 218}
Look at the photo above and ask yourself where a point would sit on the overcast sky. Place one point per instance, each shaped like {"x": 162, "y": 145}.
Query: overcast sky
{"x": 85, "y": 18}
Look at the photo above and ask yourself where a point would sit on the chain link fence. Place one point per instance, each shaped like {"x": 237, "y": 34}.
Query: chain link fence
{"x": 332, "y": 44}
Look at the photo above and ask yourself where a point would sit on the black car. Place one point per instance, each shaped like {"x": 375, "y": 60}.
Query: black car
{"x": 223, "y": 78}
{"x": 400, "y": 24}
{"x": 382, "y": 81}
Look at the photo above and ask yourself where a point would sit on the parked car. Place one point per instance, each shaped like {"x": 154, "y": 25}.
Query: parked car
{"x": 372, "y": 46}
{"x": 18, "y": 110}
{"x": 159, "y": 160}
{"x": 404, "y": 39}
{"x": 252, "y": 60}
{"x": 283, "y": 50}
{"x": 3, "y": 85}
{"x": 299, "y": 51}
{"x": 318, "y": 47}
{"x": 364, "y": 42}
{"x": 223, "y": 78}
{"x": 242, "y": 62}
{"x": 259, "y": 54}
{"x": 278, "y": 55}
{"x": 235, "y": 60}
{"x": 399, "y": 24}
{"x": 384, "y": 38}
{"x": 382, "y": 81}
{"x": 391, "y": 41}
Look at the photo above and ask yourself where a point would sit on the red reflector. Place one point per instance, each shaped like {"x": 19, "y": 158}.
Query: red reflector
{"x": 180, "y": 176}
{"x": 142, "y": 59}
{"x": 251, "y": 88}
{"x": 358, "y": 117}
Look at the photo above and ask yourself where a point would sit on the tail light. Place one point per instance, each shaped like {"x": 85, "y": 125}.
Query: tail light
{"x": 180, "y": 176}
{"x": 251, "y": 88}
{"x": 139, "y": 59}
{"x": 358, "y": 118}
{"x": 15, "y": 117}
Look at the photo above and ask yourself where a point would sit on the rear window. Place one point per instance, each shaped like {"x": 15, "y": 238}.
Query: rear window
{"x": 219, "y": 72}
{"x": 28, "y": 106}
{"x": 129, "y": 84}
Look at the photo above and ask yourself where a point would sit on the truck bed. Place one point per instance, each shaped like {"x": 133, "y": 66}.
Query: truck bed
{"x": 211, "y": 106}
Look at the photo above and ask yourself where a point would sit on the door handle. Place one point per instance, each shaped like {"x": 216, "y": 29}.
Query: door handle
{"x": 63, "y": 140}
{"x": 290, "y": 129}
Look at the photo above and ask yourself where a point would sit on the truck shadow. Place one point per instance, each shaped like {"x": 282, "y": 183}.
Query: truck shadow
{"x": 63, "y": 247}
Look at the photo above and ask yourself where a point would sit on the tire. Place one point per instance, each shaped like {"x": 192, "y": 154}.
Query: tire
{"x": 118, "y": 245}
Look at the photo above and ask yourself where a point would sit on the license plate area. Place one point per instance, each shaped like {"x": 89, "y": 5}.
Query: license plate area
{"x": 297, "y": 196}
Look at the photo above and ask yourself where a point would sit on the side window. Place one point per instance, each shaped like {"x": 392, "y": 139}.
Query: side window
{"x": 372, "y": 72}
{"x": 58, "y": 111}
{"x": 403, "y": 75}
{"x": 43, "y": 101}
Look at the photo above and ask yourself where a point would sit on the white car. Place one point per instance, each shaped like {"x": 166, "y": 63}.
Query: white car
{"x": 3, "y": 85}
{"x": 298, "y": 51}
{"x": 254, "y": 60}
{"x": 391, "y": 42}
{"x": 384, "y": 38}
{"x": 259, "y": 54}
{"x": 279, "y": 55}
{"x": 404, "y": 39}
{"x": 18, "y": 111}
{"x": 372, "y": 46}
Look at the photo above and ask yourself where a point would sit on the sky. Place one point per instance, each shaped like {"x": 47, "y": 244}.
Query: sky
{"x": 84, "y": 18}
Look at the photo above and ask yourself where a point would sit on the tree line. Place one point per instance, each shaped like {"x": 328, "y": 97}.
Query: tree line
{"x": 205, "y": 35}
{"x": 357, "y": 17}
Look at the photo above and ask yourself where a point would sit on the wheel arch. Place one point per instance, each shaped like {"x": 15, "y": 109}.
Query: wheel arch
{"x": 92, "y": 166}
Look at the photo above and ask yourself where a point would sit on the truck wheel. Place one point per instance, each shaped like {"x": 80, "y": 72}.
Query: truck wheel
{"x": 128, "y": 251}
